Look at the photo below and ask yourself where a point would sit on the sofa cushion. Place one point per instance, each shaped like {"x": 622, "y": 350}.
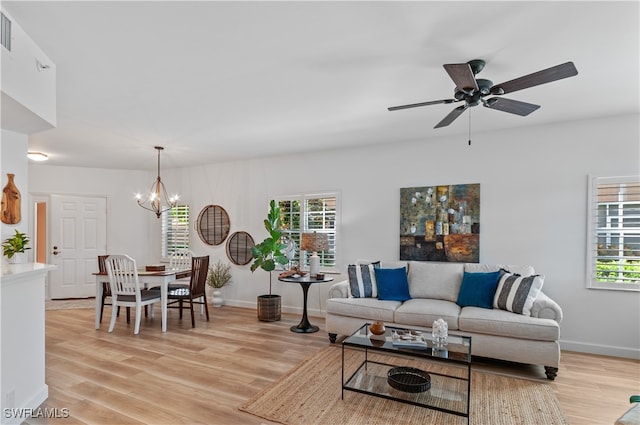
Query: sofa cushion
{"x": 478, "y": 289}
{"x": 517, "y": 293}
{"x": 362, "y": 280}
{"x": 440, "y": 281}
{"x": 504, "y": 323}
{"x": 365, "y": 308}
{"x": 392, "y": 284}
{"x": 423, "y": 312}
{"x": 511, "y": 268}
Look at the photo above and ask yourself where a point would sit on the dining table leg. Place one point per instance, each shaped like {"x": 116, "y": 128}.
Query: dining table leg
{"x": 164, "y": 289}
{"x": 98, "y": 301}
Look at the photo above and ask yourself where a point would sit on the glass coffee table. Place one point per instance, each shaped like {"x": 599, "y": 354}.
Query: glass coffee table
{"x": 407, "y": 366}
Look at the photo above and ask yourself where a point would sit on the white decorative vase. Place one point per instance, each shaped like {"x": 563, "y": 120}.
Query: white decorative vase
{"x": 17, "y": 258}
{"x": 218, "y": 301}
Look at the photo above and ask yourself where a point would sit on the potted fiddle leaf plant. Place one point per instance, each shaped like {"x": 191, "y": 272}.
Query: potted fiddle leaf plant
{"x": 14, "y": 247}
{"x": 219, "y": 276}
{"x": 267, "y": 255}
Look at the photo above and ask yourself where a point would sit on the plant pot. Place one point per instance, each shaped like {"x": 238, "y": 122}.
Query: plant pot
{"x": 18, "y": 258}
{"x": 218, "y": 301}
{"x": 269, "y": 308}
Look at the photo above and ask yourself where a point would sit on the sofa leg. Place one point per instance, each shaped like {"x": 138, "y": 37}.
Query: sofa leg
{"x": 332, "y": 338}
{"x": 551, "y": 372}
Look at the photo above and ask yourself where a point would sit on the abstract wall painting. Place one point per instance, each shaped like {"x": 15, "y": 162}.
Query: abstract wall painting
{"x": 440, "y": 223}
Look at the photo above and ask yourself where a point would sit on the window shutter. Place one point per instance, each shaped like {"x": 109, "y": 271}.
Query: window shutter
{"x": 614, "y": 223}
{"x": 175, "y": 230}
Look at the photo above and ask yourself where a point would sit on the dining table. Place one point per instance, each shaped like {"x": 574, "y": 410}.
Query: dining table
{"x": 148, "y": 279}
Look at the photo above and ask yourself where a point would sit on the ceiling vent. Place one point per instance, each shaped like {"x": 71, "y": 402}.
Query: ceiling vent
{"x": 5, "y": 32}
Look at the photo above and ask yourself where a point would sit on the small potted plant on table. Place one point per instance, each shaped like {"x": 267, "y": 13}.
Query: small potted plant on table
{"x": 13, "y": 248}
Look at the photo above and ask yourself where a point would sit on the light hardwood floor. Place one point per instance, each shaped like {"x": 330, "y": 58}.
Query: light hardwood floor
{"x": 202, "y": 375}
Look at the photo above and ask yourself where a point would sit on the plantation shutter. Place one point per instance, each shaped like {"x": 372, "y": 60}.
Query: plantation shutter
{"x": 175, "y": 230}
{"x": 614, "y": 248}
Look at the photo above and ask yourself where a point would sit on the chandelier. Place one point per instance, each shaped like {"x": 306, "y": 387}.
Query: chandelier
{"x": 157, "y": 200}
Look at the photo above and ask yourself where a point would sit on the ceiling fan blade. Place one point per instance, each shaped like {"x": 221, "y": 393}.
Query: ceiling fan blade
{"x": 462, "y": 75}
{"x": 548, "y": 75}
{"x": 512, "y": 106}
{"x": 452, "y": 116}
{"x": 415, "y": 105}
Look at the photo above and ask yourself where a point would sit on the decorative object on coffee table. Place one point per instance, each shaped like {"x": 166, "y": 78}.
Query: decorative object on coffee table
{"x": 266, "y": 255}
{"x": 409, "y": 379}
{"x": 440, "y": 331}
{"x": 377, "y": 328}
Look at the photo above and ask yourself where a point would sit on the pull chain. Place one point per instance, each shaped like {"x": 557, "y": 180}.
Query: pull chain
{"x": 469, "y": 126}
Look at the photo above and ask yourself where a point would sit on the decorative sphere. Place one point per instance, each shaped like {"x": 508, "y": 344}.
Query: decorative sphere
{"x": 377, "y": 328}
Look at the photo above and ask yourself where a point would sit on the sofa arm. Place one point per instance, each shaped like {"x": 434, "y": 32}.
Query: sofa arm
{"x": 546, "y": 308}
{"x": 339, "y": 290}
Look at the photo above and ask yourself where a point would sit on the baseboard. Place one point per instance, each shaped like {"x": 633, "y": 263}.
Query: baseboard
{"x": 11, "y": 416}
{"x": 311, "y": 312}
{"x": 603, "y": 350}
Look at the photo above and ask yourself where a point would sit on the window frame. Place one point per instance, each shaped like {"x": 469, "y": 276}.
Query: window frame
{"x": 594, "y": 185}
{"x": 183, "y": 232}
{"x": 302, "y": 220}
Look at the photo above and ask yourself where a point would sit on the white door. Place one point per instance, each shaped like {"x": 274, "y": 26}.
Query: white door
{"x": 78, "y": 236}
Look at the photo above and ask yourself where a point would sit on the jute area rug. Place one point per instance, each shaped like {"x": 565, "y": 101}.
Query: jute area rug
{"x": 311, "y": 394}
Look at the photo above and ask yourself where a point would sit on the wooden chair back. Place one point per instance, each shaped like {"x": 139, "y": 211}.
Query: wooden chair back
{"x": 123, "y": 275}
{"x": 180, "y": 260}
{"x": 199, "y": 271}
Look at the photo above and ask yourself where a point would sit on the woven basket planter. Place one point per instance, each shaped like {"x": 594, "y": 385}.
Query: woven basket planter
{"x": 269, "y": 308}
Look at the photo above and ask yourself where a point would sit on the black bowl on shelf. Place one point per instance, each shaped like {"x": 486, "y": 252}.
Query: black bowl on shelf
{"x": 409, "y": 379}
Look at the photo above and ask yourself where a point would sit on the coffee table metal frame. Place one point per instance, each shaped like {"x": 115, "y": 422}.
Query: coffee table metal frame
{"x": 456, "y": 353}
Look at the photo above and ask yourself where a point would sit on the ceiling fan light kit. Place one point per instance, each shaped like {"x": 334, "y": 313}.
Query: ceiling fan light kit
{"x": 473, "y": 90}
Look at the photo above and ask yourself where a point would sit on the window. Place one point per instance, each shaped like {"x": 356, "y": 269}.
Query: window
{"x": 312, "y": 213}
{"x": 613, "y": 248}
{"x": 175, "y": 230}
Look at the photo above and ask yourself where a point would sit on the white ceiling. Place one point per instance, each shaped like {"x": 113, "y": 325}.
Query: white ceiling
{"x": 216, "y": 81}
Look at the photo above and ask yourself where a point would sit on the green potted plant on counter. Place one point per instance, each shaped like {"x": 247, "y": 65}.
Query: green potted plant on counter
{"x": 14, "y": 247}
{"x": 267, "y": 255}
{"x": 219, "y": 276}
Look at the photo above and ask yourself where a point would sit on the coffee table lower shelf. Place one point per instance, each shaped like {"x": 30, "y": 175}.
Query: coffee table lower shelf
{"x": 446, "y": 394}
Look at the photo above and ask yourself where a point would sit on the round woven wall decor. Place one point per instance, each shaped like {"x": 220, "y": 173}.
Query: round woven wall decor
{"x": 239, "y": 247}
{"x": 213, "y": 225}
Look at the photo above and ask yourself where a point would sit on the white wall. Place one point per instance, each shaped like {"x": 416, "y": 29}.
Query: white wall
{"x": 533, "y": 209}
{"x": 13, "y": 160}
{"x": 127, "y": 223}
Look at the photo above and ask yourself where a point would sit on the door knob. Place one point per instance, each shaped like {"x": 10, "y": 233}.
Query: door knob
{"x": 55, "y": 250}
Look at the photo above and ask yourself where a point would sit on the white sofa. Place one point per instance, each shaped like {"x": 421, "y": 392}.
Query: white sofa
{"x": 434, "y": 289}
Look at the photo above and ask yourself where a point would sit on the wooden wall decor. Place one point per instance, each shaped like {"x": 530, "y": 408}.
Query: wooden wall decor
{"x": 239, "y": 247}
{"x": 213, "y": 225}
{"x": 10, "y": 210}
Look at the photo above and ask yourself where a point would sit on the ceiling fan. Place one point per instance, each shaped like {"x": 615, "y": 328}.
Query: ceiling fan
{"x": 473, "y": 90}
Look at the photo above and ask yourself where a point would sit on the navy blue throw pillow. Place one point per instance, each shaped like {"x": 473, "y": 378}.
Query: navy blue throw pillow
{"x": 393, "y": 284}
{"x": 478, "y": 289}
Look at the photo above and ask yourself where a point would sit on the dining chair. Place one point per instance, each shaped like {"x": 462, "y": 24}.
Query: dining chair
{"x": 195, "y": 293}
{"x": 125, "y": 288}
{"x": 106, "y": 290}
{"x": 180, "y": 260}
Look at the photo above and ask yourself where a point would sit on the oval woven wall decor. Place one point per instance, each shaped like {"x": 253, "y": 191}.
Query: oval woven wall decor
{"x": 239, "y": 247}
{"x": 213, "y": 225}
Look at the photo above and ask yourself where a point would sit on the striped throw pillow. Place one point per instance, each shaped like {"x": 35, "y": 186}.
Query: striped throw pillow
{"x": 362, "y": 280}
{"x": 517, "y": 293}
